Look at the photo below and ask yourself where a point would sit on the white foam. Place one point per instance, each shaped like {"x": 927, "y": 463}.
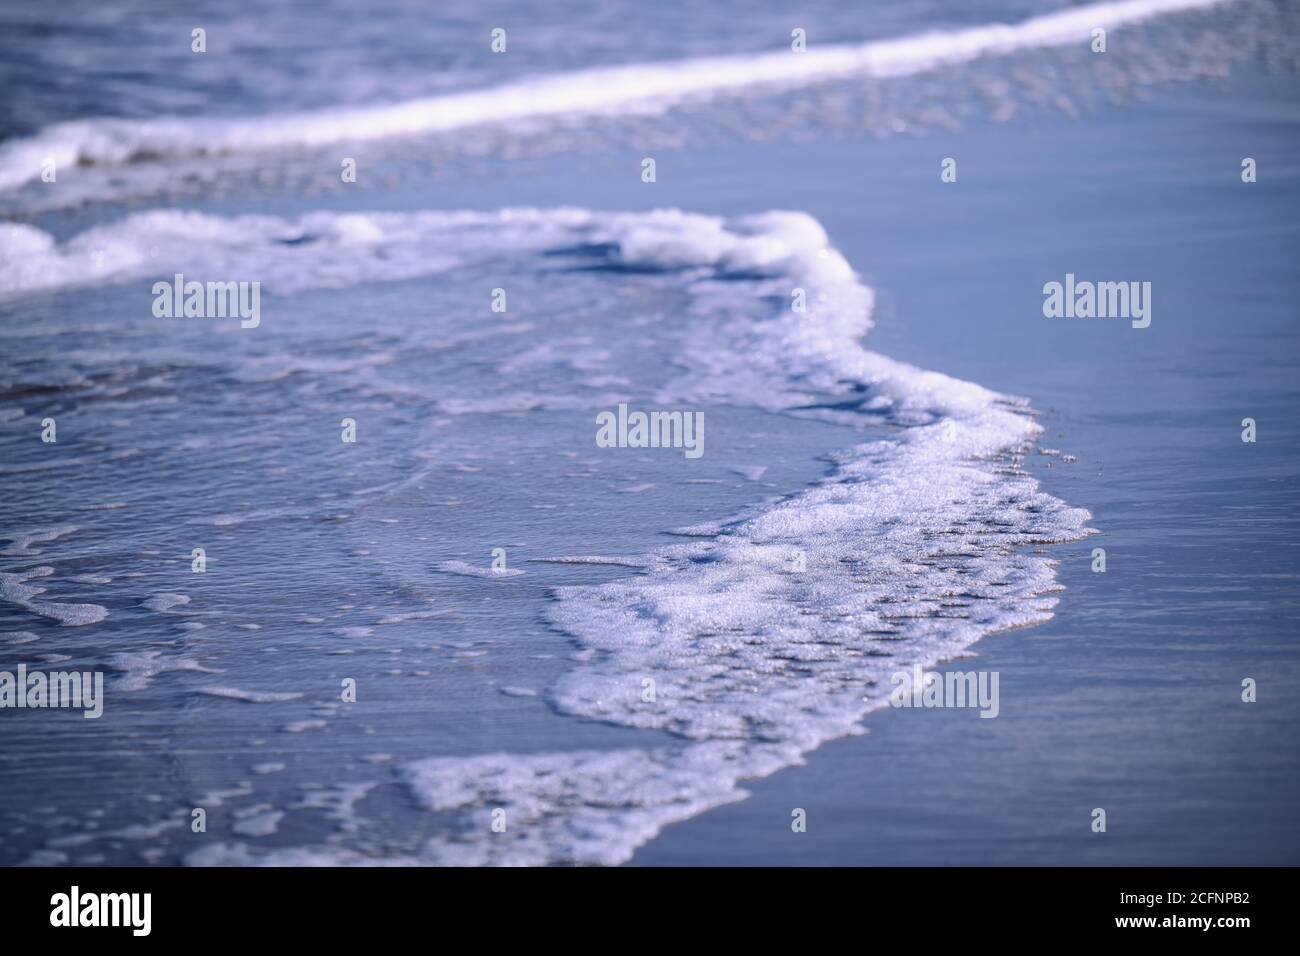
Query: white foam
{"x": 638, "y": 87}
{"x": 354, "y": 632}
{"x": 217, "y": 798}
{"x": 15, "y": 589}
{"x": 412, "y": 616}
{"x": 165, "y": 601}
{"x": 139, "y": 668}
{"x": 475, "y": 571}
{"x": 919, "y": 535}
{"x": 251, "y": 696}
{"x": 589, "y": 806}
{"x": 21, "y": 542}
{"x": 143, "y": 831}
{"x": 316, "y": 251}
{"x": 260, "y": 824}
{"x": 299, "y": 726}
{"x": 771, "y": 635}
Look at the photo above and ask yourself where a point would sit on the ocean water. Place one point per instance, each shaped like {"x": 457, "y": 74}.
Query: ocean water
{"x": 588, "y": 643}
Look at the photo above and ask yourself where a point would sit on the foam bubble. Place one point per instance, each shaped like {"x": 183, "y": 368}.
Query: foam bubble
{"x": 636, "y": 87}
{"x": 251, "y": 696}
{"x": 15, "y": 589}
{"x": 766, "y": 633}
{"x": 165, "y": 601}
{"x": 475, "y": 571}
{"x": 139, "y": 668}
{"x": 259, "y": 824}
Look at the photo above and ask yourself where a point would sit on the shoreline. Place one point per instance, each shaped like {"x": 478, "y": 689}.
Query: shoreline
{"x": 958, "y": 277}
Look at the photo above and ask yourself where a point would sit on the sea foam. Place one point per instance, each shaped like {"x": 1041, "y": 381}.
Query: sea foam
{"x": 616, "y": 90}
{"x": 766, "y": 633}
